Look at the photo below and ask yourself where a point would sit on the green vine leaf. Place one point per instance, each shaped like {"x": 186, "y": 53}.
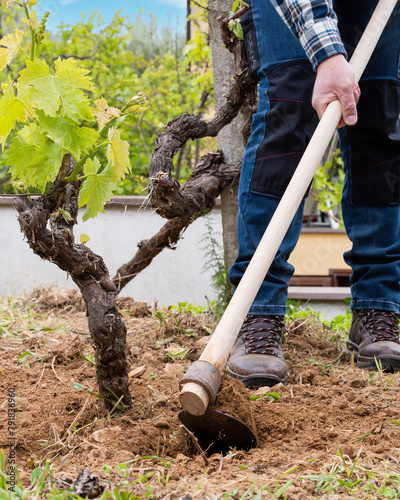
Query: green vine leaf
{"x": 10, "y": 45}
{"x": 97, "y": 188}
{"x": 138, "y": 103}
{"x": 118, "y": 153}
{"x": 64, "y": 214}
{"x": 12, "y": 110}
{"x": 35, "y": 160}
{"x": 69, "y": 134}
{"x": 32, "y": 21}
{"x": 104, "y": 112}
{"x": 22, "y": 150}
{"x": 235, "y": 26}
{"x": 84, "y": 238}
{"x": 61, "y": 92}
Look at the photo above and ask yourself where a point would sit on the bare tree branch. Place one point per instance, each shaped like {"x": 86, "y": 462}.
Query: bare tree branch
{"x": 195, "y": 199}
{"x": 241, "y": 96}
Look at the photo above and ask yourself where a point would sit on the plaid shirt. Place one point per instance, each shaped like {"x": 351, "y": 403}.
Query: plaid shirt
{"x": 314, "y": 23}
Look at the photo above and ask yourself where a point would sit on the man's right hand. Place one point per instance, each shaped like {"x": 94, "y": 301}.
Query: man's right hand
{"x": 335, "y": 81}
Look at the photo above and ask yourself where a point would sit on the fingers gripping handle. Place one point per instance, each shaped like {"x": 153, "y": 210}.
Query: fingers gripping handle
{"x": 194, "y": 398}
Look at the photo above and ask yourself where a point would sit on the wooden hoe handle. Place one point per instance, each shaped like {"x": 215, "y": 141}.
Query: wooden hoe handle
{"x": 197, "y": 387}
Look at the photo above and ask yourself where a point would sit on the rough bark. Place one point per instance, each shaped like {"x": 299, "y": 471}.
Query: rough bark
{"x": 51, "y": 237}
{"x": 241, "y": 94}
{"x": 195, "y": 198}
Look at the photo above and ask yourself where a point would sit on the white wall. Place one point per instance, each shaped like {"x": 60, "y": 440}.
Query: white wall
{"x": 173, "y": 276}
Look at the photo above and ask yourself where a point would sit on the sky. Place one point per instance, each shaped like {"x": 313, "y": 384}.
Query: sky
{"x": 69, "y": 11}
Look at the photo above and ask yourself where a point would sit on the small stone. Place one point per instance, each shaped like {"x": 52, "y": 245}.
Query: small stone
{"x": 202, "y": 342}
{"x": 124, "y": 456}
{"x": 349, "y": 450}
{"x": 135, "y": 350}
{"x": 261, "y": 391}
{"x": 16, "y": 403}
{"x": 98, "y": 436}
{"x": 149, "y": 359}
{"x": 175, "y": 476}
{"x": 181, "y": 458}
{"x": 360, "y": 411}
{"x": 162, "y": 423}
{"x": 101, "y": 424}
{"x": 199, "y": 462}
{"x": 102, "y": 434}
{"x": 357, "y": 383}
{"x": 174, "y": 370}
{"x": 137, "y": 372}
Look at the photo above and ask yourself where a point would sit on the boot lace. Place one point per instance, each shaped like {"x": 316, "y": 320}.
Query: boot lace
{"x": 384, "y": 325}
{"x": 265, "y": 338}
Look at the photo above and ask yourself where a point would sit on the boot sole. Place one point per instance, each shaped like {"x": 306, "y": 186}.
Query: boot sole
{"x": 388, "y": 364}
{"x": 256, "y": 380}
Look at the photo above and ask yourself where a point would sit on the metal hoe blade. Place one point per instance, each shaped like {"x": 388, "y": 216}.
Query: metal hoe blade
{"x": 217, "y": 432}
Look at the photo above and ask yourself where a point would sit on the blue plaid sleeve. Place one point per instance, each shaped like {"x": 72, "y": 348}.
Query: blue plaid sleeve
{"x": 314, "y": 22}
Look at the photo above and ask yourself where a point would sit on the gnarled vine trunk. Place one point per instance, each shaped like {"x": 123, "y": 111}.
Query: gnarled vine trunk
{"x": 50, "y": 236}
{"x": 194, "y": 199}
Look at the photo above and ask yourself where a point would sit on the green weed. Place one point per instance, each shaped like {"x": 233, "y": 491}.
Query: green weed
{"x": 345, "y": 477}
{"x": 16, "y": 319}
{"x": 171, "y": 323}
{"x": 272, "y": 396}
{"x": 90, "y": 359}
{"x": 193, "y": 309}
{"x": 325, "y": 368}
{"x": 179, "y": 353}
{"x": 296, "y": 311}
{"x": 215, "y": 261}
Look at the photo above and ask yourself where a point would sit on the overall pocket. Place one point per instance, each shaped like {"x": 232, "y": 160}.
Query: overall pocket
{"x": 375, "y": 144}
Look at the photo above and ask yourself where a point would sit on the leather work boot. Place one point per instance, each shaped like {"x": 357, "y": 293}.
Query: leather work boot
{"x": 256, "y": 358}
{"x": 375, "y": 334}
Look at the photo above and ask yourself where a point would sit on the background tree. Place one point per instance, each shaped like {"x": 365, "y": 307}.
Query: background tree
{"x": 123, "y": 57}
{"x": 230, "y": 138}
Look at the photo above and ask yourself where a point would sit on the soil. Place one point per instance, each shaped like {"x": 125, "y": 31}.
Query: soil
{"x": 326, "y": 405}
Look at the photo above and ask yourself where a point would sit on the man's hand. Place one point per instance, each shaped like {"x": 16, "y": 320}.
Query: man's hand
{"x": 335, "y": 80}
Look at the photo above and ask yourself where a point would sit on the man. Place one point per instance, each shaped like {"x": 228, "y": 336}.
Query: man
{"x": 298, "y": 49}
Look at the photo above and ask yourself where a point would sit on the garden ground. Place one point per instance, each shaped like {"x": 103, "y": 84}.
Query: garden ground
{"x": 332, "y": 432}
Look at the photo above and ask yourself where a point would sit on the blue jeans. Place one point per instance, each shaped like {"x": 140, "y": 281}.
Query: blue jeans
{"x": 280, "y": 133}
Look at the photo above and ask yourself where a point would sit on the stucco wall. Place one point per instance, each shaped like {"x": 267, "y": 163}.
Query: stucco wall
{"x": 173, "y": 276}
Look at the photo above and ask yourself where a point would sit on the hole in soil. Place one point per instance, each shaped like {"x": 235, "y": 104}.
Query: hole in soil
{"x": 218, "y": 432}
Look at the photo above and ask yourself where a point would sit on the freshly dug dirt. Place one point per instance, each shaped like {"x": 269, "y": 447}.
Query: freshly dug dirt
{"x": 326, "y": 405}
